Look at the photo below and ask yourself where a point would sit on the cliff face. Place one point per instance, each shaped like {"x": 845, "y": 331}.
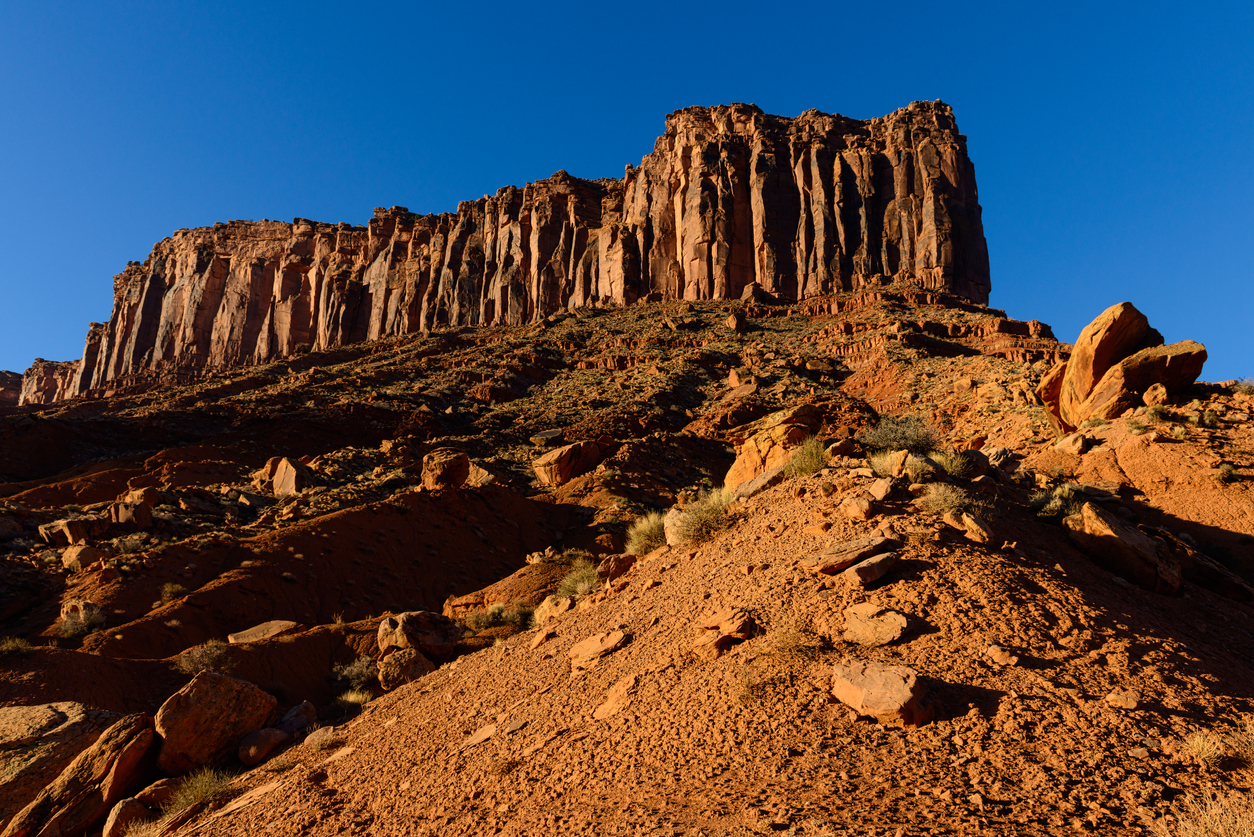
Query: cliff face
{"x": 729, "y": 196}
{"x": 48, "y": 381}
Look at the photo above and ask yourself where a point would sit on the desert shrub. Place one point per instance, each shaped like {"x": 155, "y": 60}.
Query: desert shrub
{"x": 359, "y": 672}
{"x": 1226, "y": 474}
{"x": 1209, "y": 750}
{"x": 1244, "y": 386}
{"x": 1208, "y": 418}
{"x": 1157, "y": 413}
{"x": 143, "y": 828}
{"x": 809, "y": 458}
{"x": 704, "y": 517}
{"x": 172, "y": 591}
{"x": 646, "y": 534}
{"x": 1057, "y": 502}
{"x": 504, "y": 767}
{"x": 1177, "y": 431}
{"x": 581, "y": 580}
{"x": 205, "y": 785}
{"x": 211, "y": 656}
{"x": 1095, "y": 421}
{"x": 76, "y": 627}
{"x": 14, "y": 646}
{"x": 338, "y": 618}
{"x": 882, "y": 463}
{"x": 954, "y": 463}
{"x": 354, "y": 699}
{"x": 900, "y": 433}
{"x": 517, "y": 615}
{"x": 1136, "y": 428}
{"x": 919, "y": 470}
{"x": 945, "y": 499}
{"x": 1228, "y": 816}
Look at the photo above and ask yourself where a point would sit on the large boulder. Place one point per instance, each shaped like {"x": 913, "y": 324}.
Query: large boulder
{"x": 769, "y": 442}
{"x": 403, "y": 666}
{"x": 432, "y": 634}
{"x": 204, "y": 721}
{"x": 1122, "y": 548}
{"x": 560, "y": 466}
{"x": 445, "y": 468}
{"x": 36, "y": 744}
{"x": 291, "y": 476}
{"x": 890, "y": 694}
{"x": 1116, "y": 359}
{"x": 88, "y": 788}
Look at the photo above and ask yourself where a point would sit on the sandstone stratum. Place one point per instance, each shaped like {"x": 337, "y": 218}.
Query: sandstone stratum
{"x": 857, "y": 558}
{"x": 731, "y": 199}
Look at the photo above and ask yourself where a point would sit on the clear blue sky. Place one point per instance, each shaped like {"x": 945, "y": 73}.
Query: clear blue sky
{"x": 1113, "y": 143}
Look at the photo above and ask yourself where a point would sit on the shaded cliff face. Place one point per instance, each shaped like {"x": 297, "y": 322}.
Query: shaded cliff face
{"x": 730, "y": 196}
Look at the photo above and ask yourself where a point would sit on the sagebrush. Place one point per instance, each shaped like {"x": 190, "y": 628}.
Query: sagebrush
{"x": 581, "y": 580}
{"x": 810, "y": 457}
{"x": 900, "y": 433}
{"x": 359, "y": 672}
{"x": 704, "y": 517}
{"x": 646, "y": 534}
{"x": 212, "y": 656}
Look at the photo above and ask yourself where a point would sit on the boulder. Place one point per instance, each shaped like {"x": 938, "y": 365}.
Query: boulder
{"x": 560, "y": 466}
{"x": 1124, "y": 385}
{"x": 38, "y": 742}
{"x": 977, "y": 530}
{"x": 873, "y": 625}
{"x": 736, "y": 322}
{"x": 204, "y": 721}
{"x": 869, "y": 571}
{"x": 130, "y": 517}
{"x": 841, "y": 556}
{"x": 857, "y": 508}
{"x": 123, "y": 814}
{"x": 1116, "y": 333}
{"x": 433, "y": 634}
{"x": 586, "y": 653}
{"x": 297, "y": 718}
{"x": 291, "y": 476}
{"x": 445, "y": 468}
{"x": 1155, "y": 396}
{"x": 890, "y": 694}
{"x": 552, "y": 606}
{"x": 266, "y": 630}
{"x": 72, "y": 530}
{"x": 88, "y": 788}
{"x": 720, "y": 631}
{"x": 403, "y": 666}
{"x": 769, "y": 442}
{"x": 258, "y": 746}
{"x": 80, "y": 556}
{"x": 1122, "y": 548}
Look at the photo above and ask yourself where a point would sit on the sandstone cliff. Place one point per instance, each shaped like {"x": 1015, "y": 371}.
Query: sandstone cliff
{"x": 730, "y": 196}
{"x": 10, "y": 388}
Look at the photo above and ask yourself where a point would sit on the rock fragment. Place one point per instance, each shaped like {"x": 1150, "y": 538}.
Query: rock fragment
{"x": 873, "y": 625}
{"x": 206, "y": 719}
{"x": 890, "y": 694}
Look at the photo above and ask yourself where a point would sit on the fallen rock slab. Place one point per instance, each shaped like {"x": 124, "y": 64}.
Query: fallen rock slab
{"x": 722, "y": 630}
{"x": 204, "y": 721}
{"x": 873, "y": 625}
{"x": 585, "y": 653}
{"x": 869, "y": 571}
{"x": 841, "y": 556}
{"x": 890, "y": 694}
{"x": 1121, "y": 548}
{"x": 266, "y": 630}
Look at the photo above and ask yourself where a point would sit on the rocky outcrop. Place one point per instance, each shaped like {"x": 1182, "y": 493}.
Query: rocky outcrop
{"x": 206, "y": 720}
{"x": 1117, "y": 359}
{"x": 10, "y": 389}
{"x": 48, "y": 381}
{"x": 432, "y": 634}
{"x": 730, "y": 197}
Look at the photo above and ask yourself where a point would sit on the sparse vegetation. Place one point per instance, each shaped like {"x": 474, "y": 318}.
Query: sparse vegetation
{"x": 72, "y": 627}
{"x": 354, "y": 699}
{"x": 882, "y": 463}
{"x": 810, "y": 457}
{"x": 1178, "y": 431}
{"x": 172, "y": 591}
{"x": 1058, "y": 502}
{"x": 1208, "y": 419}
{"x": 359, "y": 672}
{"x": 211, "y": 656}
{"x": 143, "y": 828}
{"x": 900, "y": 433}
{"x": 946, "y": 499}
{"x": 200, "y": 787}
{"x": 14, "y": 646}
{"x": 1244, "y": 387}
{"x": 646, "y": 534}
{"x": 1157, "y": 413}
{"x": 504, "y": 767}
{"x": 1209, "y": 750}
{"x": 581, "y": 580}
{"x": 1136, "y": 428}
{"x": 517, "y": 615}
{"x": 1226, "y": 474}
{"x": 919, "y": 470}
{"x": 1231, "y": 815}
{"x": 954, "y": 463}
{"x": 1095, "y": 421}
{"x": 704, "y": 517}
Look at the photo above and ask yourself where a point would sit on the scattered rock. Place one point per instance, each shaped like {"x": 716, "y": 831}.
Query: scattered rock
{"x": 123, "y": 814}
{"x": 433, "y": 634}
{"x": 873, "y": 625}
{"x": 720, "y": 631}
{"x": 890, "y": 694}
{"x": 297, "y": 718}
{"x": 258, "y": 746}
{"x": 291, "y": 477}
{"x": 1124, "y": 699}
{"x": 1073, "y": 443}
{"x": 585, "y": 654}
{"x": 870, "y": 570}
{"x": 1121, "y": 548}
{"x": 403, "y": 666}
{"x": 266, "y": 630}
{"x": 445, "y": 468}
{"x": 841, "y": 556}
{"x": 977, "y": 530}
{"x": 881, "y": 488}
{"x": 857, "y": 508}
{"x": 206, "y": 719}
{"x": 616, "y": 698}
{"x": 131, "y": 517}
{"x": 1001, "y": 656}
{"x": 737, "y": 322}
{"x": 552, "y": 606}
{"x": 560, "y": 466}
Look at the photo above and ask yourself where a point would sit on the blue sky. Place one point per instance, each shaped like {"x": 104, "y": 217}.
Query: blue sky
{"x": 1113, "y": 143}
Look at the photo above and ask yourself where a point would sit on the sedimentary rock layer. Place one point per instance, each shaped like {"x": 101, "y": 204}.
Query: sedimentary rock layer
{"x": 730, "y": 196}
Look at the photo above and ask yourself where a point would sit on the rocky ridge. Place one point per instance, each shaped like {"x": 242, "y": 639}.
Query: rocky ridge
{"x": 731, "y": 200}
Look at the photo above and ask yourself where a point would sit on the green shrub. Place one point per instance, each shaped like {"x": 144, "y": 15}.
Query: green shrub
{"x": 900, "y": 433}
{"x": 646, "y": 534}
{"x": 809, "y": 458}
{"x": 14, "y": 646}
{"x": 703, "y": 518}
{"x": 212, "y": 656}
{"x": 205, "y": 785}
{"x": 359, "y": 672}
{"x": 1061, "y": 501}
{"x": 581, "y": 580}
{"x": 1136, "y": 428}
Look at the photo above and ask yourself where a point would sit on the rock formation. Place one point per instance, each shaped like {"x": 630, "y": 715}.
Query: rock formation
{"x": 48, "y": 380}
{"x": 730, "y": 197}
{"x": 1117, "y": 359}
{"x": 10, "y": 388}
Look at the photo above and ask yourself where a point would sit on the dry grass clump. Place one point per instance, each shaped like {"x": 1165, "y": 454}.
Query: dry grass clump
{"x": 1136, "y": 428}
{"x": 882, "y": 463}
{"x": 1231, "y": 815}
{"x": 581, "y": 580}
{"x": 517, "y": 615}
{"x": 943, "y": 498}
{"x": 646, "y": 534}
{"x": 205, "y": 785}
{"x": 1227, "y": 474}
{"x": 172, "y": 591}
{"x": 703, "y": 518}
{"x": 955, "y": 463}
{"x": 359, "y": 672}
{"x": 75, "y": 627}
{"x": 1208, "y": 418}
{"x": 1244, "y": 387}
{"x": 1209, "y": 750}
{"x": 900, "y": 433}
{"x": 1095, "y": 421}
{"x": 212, "y": 656}
{"x": 143, "y": 828}
{"x": 354, "y": 699}
{"x": 1157, "y": 413}
{"x": 14, "y": 646}
{"x": 810, "y": 457}
{"x": 1058, "y": 502}
{"x": 1178, "y": 431}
